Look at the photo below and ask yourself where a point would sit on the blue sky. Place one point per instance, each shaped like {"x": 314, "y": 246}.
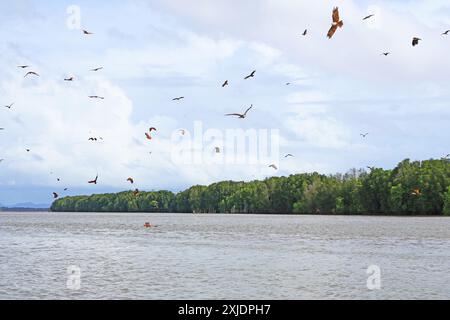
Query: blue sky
{"x": 156, "y": 50}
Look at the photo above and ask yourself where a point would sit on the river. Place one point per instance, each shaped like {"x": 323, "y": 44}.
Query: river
{"x": 112, "y": 256}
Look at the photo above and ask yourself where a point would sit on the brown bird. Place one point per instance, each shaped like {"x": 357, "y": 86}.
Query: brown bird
{"x": 148, "y": 136}
{"x": 55, "y": 195}
{"x": 23, "y": 67}
{"x": 225, "y": 84}
{"x": 178, "y": 99}
{"x": 240, "y": 115}
{"x": 416, "y": 192}
{"x": 415, "y": 41}
{"x": 336, "y": 23}
{"x": 31, "y": 73}
{"x": 446, "y": 33}
{"x": 273, "y": 167}
{"x": 305, "y": 32}
{"x": 251, "y": 75}
{"x": 69, "y": 79}
{"x": 97, "y": 97}
{"x": 87, "y": 32}
{"x": 136, "y": 192}
{"x": 131, "y": 180}
{"x": 152, "y": 129}
{"x": 368, "y": 17}
{"x": 10, "y": 106}
{"x": 97, "y": 69}
{"x": 93, "y": 181}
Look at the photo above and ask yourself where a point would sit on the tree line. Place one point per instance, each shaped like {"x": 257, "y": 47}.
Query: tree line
{"x": 411, "y": 188}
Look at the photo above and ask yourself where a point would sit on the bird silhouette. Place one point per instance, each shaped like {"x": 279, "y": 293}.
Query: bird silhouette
{"x": 96, "y": 69}
{"x": 23, "y": 67}
{"x": 225, "y": 84}
{"x": 251, "y": 75}
{"x": 68, "y": 79}
{"x": 446, "y": 33}
{"x": 93, "y": 181}
{"x": 273, "y": 167}
{"x": 368, "y": 17}
{"x": 55, "y": 195}
{"x": 97, "y": 97}
{"x": 152, "y": 129}
{"x": 31, "y": 73}
{"x": 288, "y": 155}
{"x": 131, "y": 180}
{"x": 415, "y": 41}
{"x": 240, "y": 115}
{"x": 10, "y": 106}
{"x": 305, "y": 32}
{"x": 87, "y": 32}
{"x": 386, "y": 54}
{"x": 336, "y": 23}
{"x": 217, "y": 150}
{"x": 178, "y": 99}
{"x": 363, "y": 134}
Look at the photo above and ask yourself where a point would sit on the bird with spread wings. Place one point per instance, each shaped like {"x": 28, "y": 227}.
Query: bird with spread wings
{"x": 336, "y": 23}
{"x": 241, "y": 115}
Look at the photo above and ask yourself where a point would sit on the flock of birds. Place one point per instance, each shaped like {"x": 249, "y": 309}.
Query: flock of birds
{"x": 337, "y": 23}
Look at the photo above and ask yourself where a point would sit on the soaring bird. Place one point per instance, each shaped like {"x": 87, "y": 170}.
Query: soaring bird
{"x": 178, "y": 99}
{"x": 240, "y": 115}
{"x": 28, "y": 150}
{"x": 152, "y": 129}
{"x": 148, "y": 136}
{"x": 23, "y": 67}
{"x": 363, "y": 134}
{"x": 446, "y": 33}
{"x": 93, "y": 181}
{"x": 385, "y": 53}
{"x": 251, "y": 75}
{"x": 55, "y": 195}
{"x": 10, "y": 106}
{"x": 288, "y": 155}
{"x": 416, "y": 192}
{"x": 273, "y": 167}
{"x": 415, "y": 41}
{"x": 31, "y": 73}
{"x": 336, "y": 23}
{"x": 368, "y": 17}
{"x": 97, "y": 97}
{"x": 92, "y": 139}
{"x": 96, "y": 69}
{"x": 131, "y": 180}
{"x": 68, "y": 79}
{"x": 305, "y": 32}
{"x": 225, "y": 84}
{"x": 87, "y": 32}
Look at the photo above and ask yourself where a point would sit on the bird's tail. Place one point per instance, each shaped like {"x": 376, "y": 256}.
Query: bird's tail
{"x": 340, "y": 24}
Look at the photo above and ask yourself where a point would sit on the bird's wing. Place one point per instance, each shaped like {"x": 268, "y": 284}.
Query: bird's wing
{"x": 246, "y": 111}
{"x": 332, "y": 31}
{"x": 234, "y": 114}
{"x": 336, "y": 15}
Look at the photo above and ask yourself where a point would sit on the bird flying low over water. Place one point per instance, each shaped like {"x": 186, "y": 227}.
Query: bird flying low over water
{"x": 241, "y": 115}
{"x": 178, "y": 99}
{"x": 31, "y": 73}
{"x": 93, "y": 181}
{"x": 415, "y": 41}
{"x": 273, "y": 167}
{"x": 55, "y": 195}
{"x": 446, "y": 33}
{"x": 131, "y": 180}
{"x": 97, "y": 97}
{"x": 225, "y": 84}
{"x": 96, "y": 69}
{"x": 251, "y": 75}
{"x": 336, "y": 23}
{"x": 368, "y": 17}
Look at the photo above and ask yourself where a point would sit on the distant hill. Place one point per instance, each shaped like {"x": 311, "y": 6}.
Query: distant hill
{"x": 25, "y": 206}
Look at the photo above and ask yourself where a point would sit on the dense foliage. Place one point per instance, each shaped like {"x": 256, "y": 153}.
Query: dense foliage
{"x": 375, "y": 191}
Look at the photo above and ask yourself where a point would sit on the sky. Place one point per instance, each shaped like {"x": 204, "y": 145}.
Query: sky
{"x": 153, "y": 51}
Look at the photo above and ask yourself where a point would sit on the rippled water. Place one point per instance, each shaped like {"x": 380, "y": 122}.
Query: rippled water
{"x": 222, "y": 256}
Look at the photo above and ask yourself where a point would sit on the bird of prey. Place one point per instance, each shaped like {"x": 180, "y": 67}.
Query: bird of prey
{"x": 31, "y": 73}
{"x": 148, "y": 136}
{"x": 178, "y": 99}
{"x": 23, "y": 67}
{"x": 68, "y": 79}
{"x": 152, "y": 129}
{"x": 363, "y": 134}
{"x": 446, "y": 33}
{"x": 386, "y": 54}
{"x": 225, "y": 84}
{"x": 273, "y": 166}
{"x": 55, "y": 195}
{"x": 415, "y": 41}
{"x": 251, "y": 75}
{"x": 87, "y": 32}
{"x": 96, "y": 69}
{"x": 416, "y": 192}
{"x": 240, "y": 115}
{"x": 305, "y": 32}
{"x": 131, "y": 180}
{"x": 368, "y": 17}
{"x": 288, "y": 155}
{"x": 97, "y": 97}
{"x": 92, "y": 139}
{"x": 10, "y": 106}
{"x": 93, "y": 181}
{"x": 336, "y": 23}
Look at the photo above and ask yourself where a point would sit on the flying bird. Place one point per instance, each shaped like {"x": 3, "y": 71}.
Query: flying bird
{"x": 31, "y": 73}
{"x": 273, "y": 166}
{"x": 415, "y": 41}
{"x": 152, "y": 129}
{"x": 28, "y": 150}
{"x": 87, "y": 32}
{"x": 363, "y": 134}
{"x": 225, "y": 84}
{"x": 68, "y": 79}
{"x": 251, "y": 75}
{"x": 93, "y": 181}
{"x": 96, "y": 69}
{"x": 183, "y": 132}
{"x": 217, "y": 149}
{"x": 336, "y": 23}
{"x": 10, "y": 106}
{"x": 240, "y": 115}
{"x": 446, "y": 33}
{"x": 305, "y": 32}
{"x": 92, "y": 139}
{"x": 55, "y": 195}
{"x": 149, "y": 137}
{"x": 368, "y": 17}
{"x": 131, "y": 180}
{"x": 386, "y": 54}
{"x": 23, "y": 67}
{"x": 97, "y": 97}
{"x": 288, "y": 155}
{"x": 178, "y": 99}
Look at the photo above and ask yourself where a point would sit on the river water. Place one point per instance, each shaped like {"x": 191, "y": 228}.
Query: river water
{"x": 222, "y": 256}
